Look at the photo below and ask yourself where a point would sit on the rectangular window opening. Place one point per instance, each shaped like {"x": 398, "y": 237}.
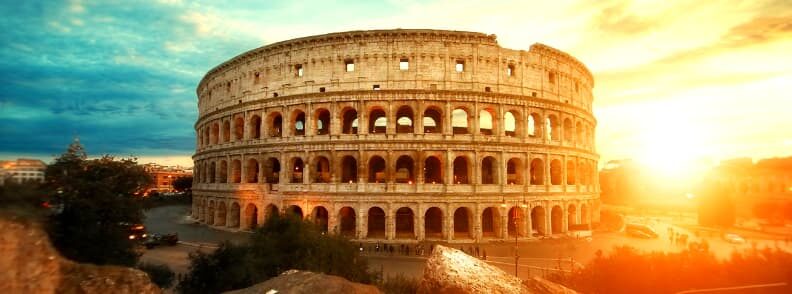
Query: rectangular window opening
{"x": 349, "y": 65}
{"x": 404, "y": 64}
{"x": 376, "y": 87}
{"x": 460, "y": 65}
{"x": 321, "y": 89}
{"x": 299, "y": 70}
{"x": 510, "y": 70}
{"x": 256, "y": 78}
{"x": 551, "y": 77}
{"x": 487, "y": 89}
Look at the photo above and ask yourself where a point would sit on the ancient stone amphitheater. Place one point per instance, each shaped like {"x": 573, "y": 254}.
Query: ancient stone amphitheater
{"x": 402, "y": 135}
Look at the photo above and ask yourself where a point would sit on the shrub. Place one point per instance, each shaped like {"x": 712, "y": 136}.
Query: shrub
{"x": 159, "y": 274}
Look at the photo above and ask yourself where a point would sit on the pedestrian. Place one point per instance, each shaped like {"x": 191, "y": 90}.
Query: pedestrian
{"x": 477, "y": 251}
{"x": 485, "y": 254}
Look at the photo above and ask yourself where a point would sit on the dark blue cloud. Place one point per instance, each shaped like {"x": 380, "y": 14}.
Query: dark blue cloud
{"x": 107, "y": 73}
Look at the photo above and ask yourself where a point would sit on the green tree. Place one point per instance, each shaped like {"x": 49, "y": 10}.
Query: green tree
{"x": 96, "y": 200}
{"x": 183, "y": 184}
{"x": 26, "y": 199}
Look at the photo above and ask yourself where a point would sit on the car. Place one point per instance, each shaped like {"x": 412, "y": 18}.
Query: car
{"x": 734, "y": 239}
{"x": 161, "y": 239}
{"x": 640, "y": 230}
{"x": 639, "y": 234}
{"x": 136, "y": 232}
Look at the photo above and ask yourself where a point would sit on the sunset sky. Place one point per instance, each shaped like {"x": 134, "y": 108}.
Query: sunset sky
{"x": 676, "y": 81}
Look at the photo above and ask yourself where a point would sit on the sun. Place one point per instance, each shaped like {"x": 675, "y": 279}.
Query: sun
{"x": 672, "y": 147}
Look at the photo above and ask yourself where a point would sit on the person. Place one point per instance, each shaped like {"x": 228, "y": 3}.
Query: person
{"x": 485, "y": 254}
{"x": 477, "y": 251}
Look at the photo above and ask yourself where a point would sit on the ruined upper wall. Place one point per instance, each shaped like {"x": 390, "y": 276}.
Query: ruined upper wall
{"x": 432, "y": 55}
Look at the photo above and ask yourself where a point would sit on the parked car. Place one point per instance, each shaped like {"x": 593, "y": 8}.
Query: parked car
{"x": 161, "y": 239}
{"x": 641, "y": 231}
{"x": 734, "y": 239}
{"x": 135, "y": 231}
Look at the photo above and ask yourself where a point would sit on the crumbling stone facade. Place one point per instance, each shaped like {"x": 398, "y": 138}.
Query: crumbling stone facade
{"x": 402, "y": 135}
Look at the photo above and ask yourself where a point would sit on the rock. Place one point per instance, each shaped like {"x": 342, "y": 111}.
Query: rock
{"x": 30, "y": 264}
{"x": 449, "y": 270}
{"x": 296, "y": 281}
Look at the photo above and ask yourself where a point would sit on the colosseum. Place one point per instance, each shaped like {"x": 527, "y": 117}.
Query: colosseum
{"x": 399, "y": 136}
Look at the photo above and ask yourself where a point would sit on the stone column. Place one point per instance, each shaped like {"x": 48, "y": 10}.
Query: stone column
{"x": 362, "y": 225}
{"x": 363, "y": 120}
{"x": 449, "y": 166}
{"x": 564, "y": 218}
{"x": 447, "y": 129}
{"x": 549, "y": 218}
{"x": 306, "y": 168}
{"x": 418, "y": 118}
{"x": 528, "y": 222}
{"x": 504, "y": 219}
{"x": 390, "y": 227}
{"x": 477, "y": 229}
{"x": 420, "y": 224}
{"x": 391, "y": 117}
{"x": 285, "y": 173}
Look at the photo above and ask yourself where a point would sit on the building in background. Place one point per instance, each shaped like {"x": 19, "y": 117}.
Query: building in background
{"x": 164, "y": 176}
{"x": 762, "y": 189}
{"x": 22, "y": 170}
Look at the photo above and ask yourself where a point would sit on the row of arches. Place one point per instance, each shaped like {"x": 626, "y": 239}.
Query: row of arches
{"x": 406, "y": 222}
{"x": 433, "y": 169}
{"x": 433, "y": 119}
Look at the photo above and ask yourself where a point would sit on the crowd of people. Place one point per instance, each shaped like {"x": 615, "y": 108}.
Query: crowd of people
{"x": 415, "y": 249}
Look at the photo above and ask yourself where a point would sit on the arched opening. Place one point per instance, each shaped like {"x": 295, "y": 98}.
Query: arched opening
{"x": 570, "y": 171}
{"x": 486, "y": 123}
{"x": 432, "y": 121}
{"x": 404, "y": 170}
{"x": 461, "y": 170}
{"x": 255, "y": 127}
{"x": 275, "y": 125}
{"x": 294, "y": 211}
{"x": 272, "y": 170}
{"x": 555, "y": 172}
{"x": 433, "y": 171}
{"x": 220, "y": 221}
{"x": 322, "y": 168}
{"x": 404, "y": 120}
{"x": 376, "y": 223}
{"x": 579, "y": 133}
{"x": 297, "y": 170}
{"x": 516, "y": 222}
{"x": 215, "y": 133}
{"x": 239, "y": 128}
{"x": 350, "y": 124}
{"x": 405, "y": 223}
{"x": 489, "y": 173}
{"x": 538, "y": 226}
{"x": 556, "y": 219}
{"x": 346, "y": 218}
{"x": 510, "y": 124}
{"x": 223, "y": 173}
{"x": 271, "y": 211}
{"x": 376, "y": 170}
{"x": 236, "y": 171}
{"x": 378, "y": 122}
{"x": 321, "y": 217}
{"x": 569, "y": 134}
{"x": 210, "y": 214}
{"x": 551, "y": 127}
{"x": 589, "y": 136}
{"x": 584, "y": 214}
{"x": 514, "y": 172}
{"x": 226, "y": 131}
{"x": 571, "y": 215}
{"x": 252, "y": 171}
{"x": 463, "y": 218}
{"x": 233, "y": 219}
{"x": 212, "y": 172}
{"x": 322, "y": 122}
{"x": 433, "y": 223}
{"x": 251, "y": 217}
{"x": 489, "y": 222}
{"x": 349, "y": 169}
{"x": 459, "y": 121}
{"x": 298, "y": 123}
{"x": 537, "y": 172}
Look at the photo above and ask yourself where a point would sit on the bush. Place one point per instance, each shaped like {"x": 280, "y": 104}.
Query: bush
{"x": 398, "y": 284}
{"x": 159, "y": 274}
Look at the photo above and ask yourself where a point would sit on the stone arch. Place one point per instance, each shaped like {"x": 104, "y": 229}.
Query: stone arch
{"x": 255, "y": 127}
{"x": 579, "y": 133}
{"x": 271, "y": 210}
{"x": 322, "y": 121}
{"x": 298, "y": 122}
{"x": 433, "y": 223}
{"x": 210, "y": 213}
{"x": 223, "y": 172}
{"x": 490, "y": 222}
{"x": 297, "y": 169}
{"x": 534, "y": 125}
{"x": 516, "y": 222}
{"x": 233, "y": 219}
{"x": 486, "y": 119}
{"x": 220, "y": 220}
{"x": 347, "y": 222}
{"x": 463, "y": 223}
{"x": 349, "y": 169}
{"x": 320, "y": 217}
{"x": 570, "y": 172}
{"x": 405, "y": 170}
{"x": 251, "y": 217}
{"x": 377, "y": 170}
{"x": 460, "y": 122}
{"x": 272, "y": 170}
{"x": 405, "y": 223}
{"x": 405, "y": 120}
{"x": 215, "y": 133}
{"x": 489, "y": 171}
{"x": 584, "y": 214}
{"x": 226, "y": 131}
{"x": 433, "y": 170}
{"x": 349, "y": 117}
{"x": 236, "y": 171}
{"x": 569, "y": 132}
{"x": 511, "y": 124}
{"x": 252, "y": 170}
{"x": 433, "y": 120}
{"x": 461, "y": 170}
{"x": 321, "y": 167}
{"x": 376, "y": 223}
{"x": 294, "y": 211}
{"x": 557, "y": 219}
{"x": 571, "y": 215}
{"x": 212, "y": 172}
{"x": 378, "y": 121}
{"x": 551, "y": 127}
{"x": 514, "y": 171}
{"x": 239, "y": 128}
{"x": 275, "y": 125}
{"x": 538, "y": 225}
{"x": 556, "y": 172}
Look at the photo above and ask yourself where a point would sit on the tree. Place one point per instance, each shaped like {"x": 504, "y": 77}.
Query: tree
{"x": 97, "y": 206}
{"x": 183, "y": 184}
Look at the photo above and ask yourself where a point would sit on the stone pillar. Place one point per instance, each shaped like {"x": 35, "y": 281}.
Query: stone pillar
{"x": 447, "y": 129}
{"x": 564, "y": 218}
{"x": 504, "y": 219}
{"x": 448, "y": 225}
{"x": 361, "y": 225}
{"x": 332, "y": 221}
{"x": 477, "y": 229}
{"x": 363, "y": 120}
{"x": 284, "y": 177}
{"x": 306, "y": 169}
{"x": 419, "y": 167}
{"x": 527, "y": 215}
{"x": 420, "y": 224}
{"x": 418, "y": 118}
{"x": 449, "y": 166}
{"x": 391, "y": 117}
{"x": 390, "y": 227}
{"x": 549, "y": 218}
